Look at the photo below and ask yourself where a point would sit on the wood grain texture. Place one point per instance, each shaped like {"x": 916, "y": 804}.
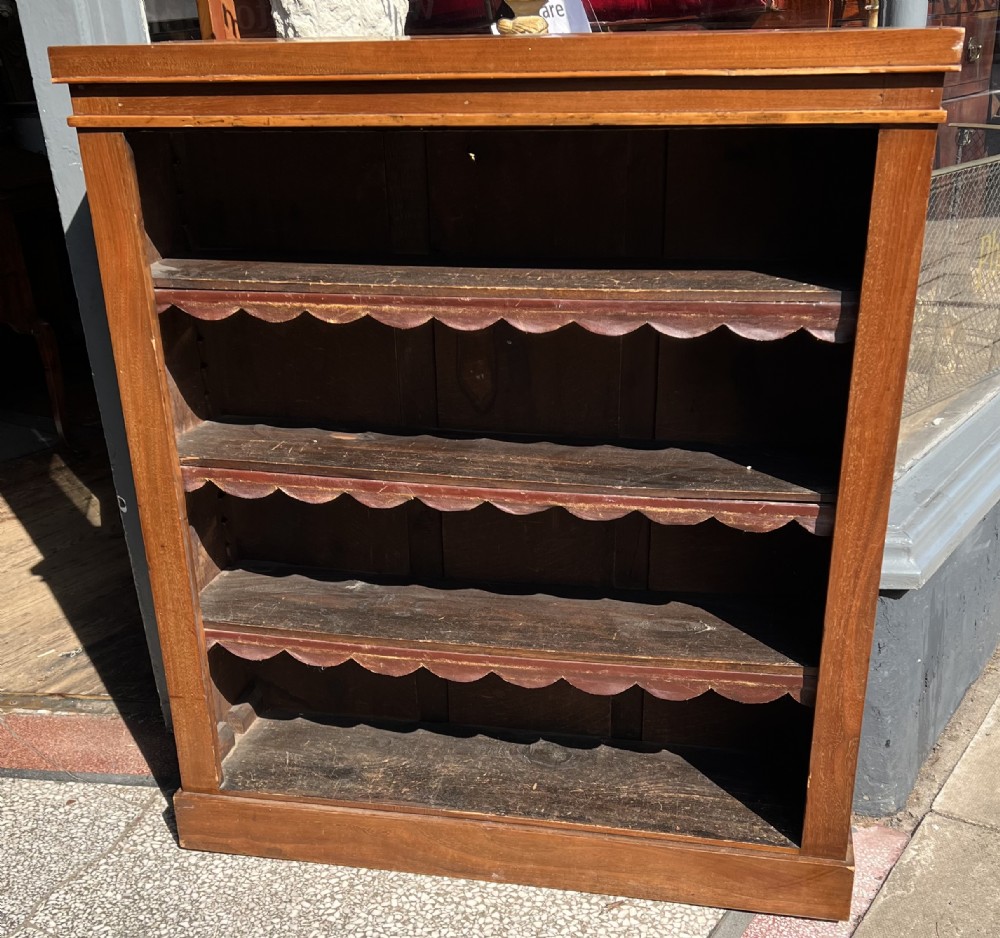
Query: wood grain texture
{"x": 602, "y": 646}
{"x": 578, "y": 780}
{"x": 650, "y": 868}
{"x": 787, "y": 78}
{"x": 217, "y": 19}
{"x": 679, "y": 303}
{"x": 566, "y": 385}
{"x": 435, "y": 112}
{"x": 723, "y": 53}
{"x": 128, "y": 292}
{"x": 534, "y": 103}
{"x": 888, "y": 293}
{"x": 670, "y": 486}
{"x": 977, "y": 62}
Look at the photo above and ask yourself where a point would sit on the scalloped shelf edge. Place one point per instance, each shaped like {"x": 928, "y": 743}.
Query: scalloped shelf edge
{"x": 743, "y": 687}
{"x": 755, "y": 516}
{"x": 468, "y": 320}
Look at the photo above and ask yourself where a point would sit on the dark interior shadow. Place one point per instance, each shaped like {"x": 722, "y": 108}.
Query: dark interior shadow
{"x": 170, "y": 819}
{"x": 717, "y": 754}
{"x": 769, "y": 781}
{"x": 759, "y": 426}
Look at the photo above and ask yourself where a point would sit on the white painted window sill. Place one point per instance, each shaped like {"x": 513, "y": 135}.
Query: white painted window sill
{"x": 947, "y": 479}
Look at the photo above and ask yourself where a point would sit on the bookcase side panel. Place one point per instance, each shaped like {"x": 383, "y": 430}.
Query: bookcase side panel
{"x": 888, "y": 293}
{"x": 117, "y": 219}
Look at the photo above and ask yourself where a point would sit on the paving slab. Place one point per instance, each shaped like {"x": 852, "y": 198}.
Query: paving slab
{"x": 944, "y": 886}
{"x": 52, "y": 833}
{"x": 876, "y": 849}
{"x": 146, "y": 885}
{"x": 81, "y": 744}
{"x": 972, "y": 793}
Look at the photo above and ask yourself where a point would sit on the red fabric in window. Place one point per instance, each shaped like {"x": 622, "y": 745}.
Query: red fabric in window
{"x": 612, "y": 11}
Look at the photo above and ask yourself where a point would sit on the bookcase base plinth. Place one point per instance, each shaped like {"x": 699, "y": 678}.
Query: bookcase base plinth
{"x": 772, "y": 880}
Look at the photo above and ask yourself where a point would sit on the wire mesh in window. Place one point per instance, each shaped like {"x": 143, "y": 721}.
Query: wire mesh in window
{"x": 956, "y": 330}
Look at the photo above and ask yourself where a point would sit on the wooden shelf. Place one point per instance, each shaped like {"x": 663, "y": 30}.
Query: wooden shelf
{"x": 603, "y": 646}
{"x": 680, "y": 303}
{"x": 624, "y": 786}
{"x": 669, "y": 486}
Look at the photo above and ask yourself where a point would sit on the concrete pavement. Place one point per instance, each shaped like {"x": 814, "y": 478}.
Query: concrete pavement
{"x": 947, "y": 882}
{"x": 84, "y": 860}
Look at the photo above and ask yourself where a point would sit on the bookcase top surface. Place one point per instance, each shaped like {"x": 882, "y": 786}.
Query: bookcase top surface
{"x": 634, "y": 55}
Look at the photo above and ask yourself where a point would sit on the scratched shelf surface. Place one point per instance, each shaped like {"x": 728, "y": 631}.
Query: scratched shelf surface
{"x": 669, "y": 485}
{"x": 625, "y": 786}
{"x": 674, "y": 650}
{"x": 680, "y": 303}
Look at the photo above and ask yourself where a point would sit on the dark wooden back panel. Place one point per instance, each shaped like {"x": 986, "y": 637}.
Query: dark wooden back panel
{"x": 539, "y": 196}
{"x": 773, "y": 199}
{"x": 792, "y": 199}
{"x": 550, "y": 550}
{"x": 716, "y": 390}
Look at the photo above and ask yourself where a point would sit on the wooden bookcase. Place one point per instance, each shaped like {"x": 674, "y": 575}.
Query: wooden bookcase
{"x": 513, "y": 425}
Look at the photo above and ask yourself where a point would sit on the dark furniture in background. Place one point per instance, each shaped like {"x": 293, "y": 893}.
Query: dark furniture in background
{"x": 25, "y": 197}
{"x": 972, "y": 129}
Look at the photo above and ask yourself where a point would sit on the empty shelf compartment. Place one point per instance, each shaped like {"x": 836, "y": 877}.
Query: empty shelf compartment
{"x": 620, "y": 786}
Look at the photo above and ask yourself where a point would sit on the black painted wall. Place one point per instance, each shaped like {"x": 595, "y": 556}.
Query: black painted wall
{"x": 930, "y": 645}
